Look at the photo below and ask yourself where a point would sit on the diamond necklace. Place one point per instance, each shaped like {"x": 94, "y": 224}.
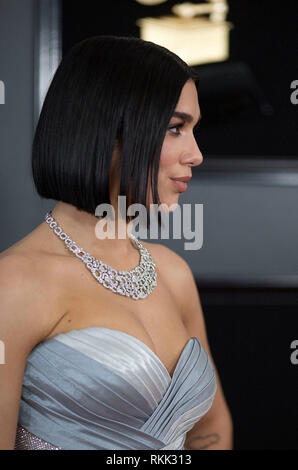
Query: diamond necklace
{"x": 137, "y": 283}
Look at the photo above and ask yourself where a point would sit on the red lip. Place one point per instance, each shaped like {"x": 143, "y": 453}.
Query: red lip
{"x": 185, "y": 179}
{"x": 180, "y": 186}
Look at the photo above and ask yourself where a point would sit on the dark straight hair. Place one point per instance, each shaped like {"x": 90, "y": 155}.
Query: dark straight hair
{"x": 106, "y": 89}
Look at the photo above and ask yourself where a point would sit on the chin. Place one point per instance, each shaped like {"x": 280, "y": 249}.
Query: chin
{"x": 170, "y": 204}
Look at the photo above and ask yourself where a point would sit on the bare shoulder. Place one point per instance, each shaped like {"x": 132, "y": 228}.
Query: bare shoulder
{"x": 175, "y": 270}
{"x": 176, "y": 266}
{"x": 25, "y": 298}
{"x": 21, "y": 328}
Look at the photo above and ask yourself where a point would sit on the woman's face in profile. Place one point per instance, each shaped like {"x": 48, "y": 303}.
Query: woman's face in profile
{"x": 180, "y": 150}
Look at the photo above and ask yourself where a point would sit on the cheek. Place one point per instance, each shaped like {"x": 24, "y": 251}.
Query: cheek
{"x": 167, "y": 156}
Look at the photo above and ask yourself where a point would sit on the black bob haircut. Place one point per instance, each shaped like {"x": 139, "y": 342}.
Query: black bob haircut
{"x": 106, "y": 89}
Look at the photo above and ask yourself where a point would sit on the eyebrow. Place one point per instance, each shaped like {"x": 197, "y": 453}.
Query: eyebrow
{"x": 187, "y": 117}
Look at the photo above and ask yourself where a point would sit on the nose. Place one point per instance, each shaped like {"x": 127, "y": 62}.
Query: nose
{"x": 193, "y": 156}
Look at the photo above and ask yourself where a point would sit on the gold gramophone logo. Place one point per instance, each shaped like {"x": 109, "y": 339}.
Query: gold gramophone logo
{"x": 196, "y": 32}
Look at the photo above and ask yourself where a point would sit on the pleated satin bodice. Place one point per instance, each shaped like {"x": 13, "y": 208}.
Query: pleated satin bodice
{"x": 103, "y": 389}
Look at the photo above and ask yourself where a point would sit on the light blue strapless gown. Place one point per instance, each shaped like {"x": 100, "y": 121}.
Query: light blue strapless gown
{"x": 103, "y": 389}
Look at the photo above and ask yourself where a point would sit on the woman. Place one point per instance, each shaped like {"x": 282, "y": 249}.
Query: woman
{"x": 95, "y": 361}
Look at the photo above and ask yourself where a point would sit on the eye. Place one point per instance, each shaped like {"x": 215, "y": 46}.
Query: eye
{"x": 176, "y": 126}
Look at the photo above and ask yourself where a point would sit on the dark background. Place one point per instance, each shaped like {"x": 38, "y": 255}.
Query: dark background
{"x": 250, "y": 332}
{"x": 246, "y": 110}
{"x": 245, "y": 101}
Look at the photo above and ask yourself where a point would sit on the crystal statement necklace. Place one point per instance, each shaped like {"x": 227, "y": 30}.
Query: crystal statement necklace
{"x": 137, "y": 283}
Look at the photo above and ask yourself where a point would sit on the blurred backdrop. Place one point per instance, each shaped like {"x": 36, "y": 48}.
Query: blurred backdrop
{"x": 247, "y": 268}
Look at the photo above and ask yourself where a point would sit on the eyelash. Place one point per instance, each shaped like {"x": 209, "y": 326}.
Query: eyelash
{"x": 177, "y": 126}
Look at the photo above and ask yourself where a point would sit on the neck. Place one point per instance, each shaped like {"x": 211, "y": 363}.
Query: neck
{"x": 82, "y": 228}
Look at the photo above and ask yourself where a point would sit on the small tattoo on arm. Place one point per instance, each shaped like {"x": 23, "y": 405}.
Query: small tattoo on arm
{"x": 201, "y": 442}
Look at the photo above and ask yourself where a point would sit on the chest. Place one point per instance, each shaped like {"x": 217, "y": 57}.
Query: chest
{"x": 155, "y": 320}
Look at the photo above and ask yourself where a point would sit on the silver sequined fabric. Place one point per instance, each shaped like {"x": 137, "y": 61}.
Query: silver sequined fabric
{"x": 25, "y": 440}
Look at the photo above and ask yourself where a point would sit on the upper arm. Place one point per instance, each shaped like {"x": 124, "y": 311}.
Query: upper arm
{"x": 20, "y": 330}
{"x": 188, "y": 298}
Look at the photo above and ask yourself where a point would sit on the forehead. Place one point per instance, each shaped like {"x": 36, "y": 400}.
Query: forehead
{"x": 188, "y": 101}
